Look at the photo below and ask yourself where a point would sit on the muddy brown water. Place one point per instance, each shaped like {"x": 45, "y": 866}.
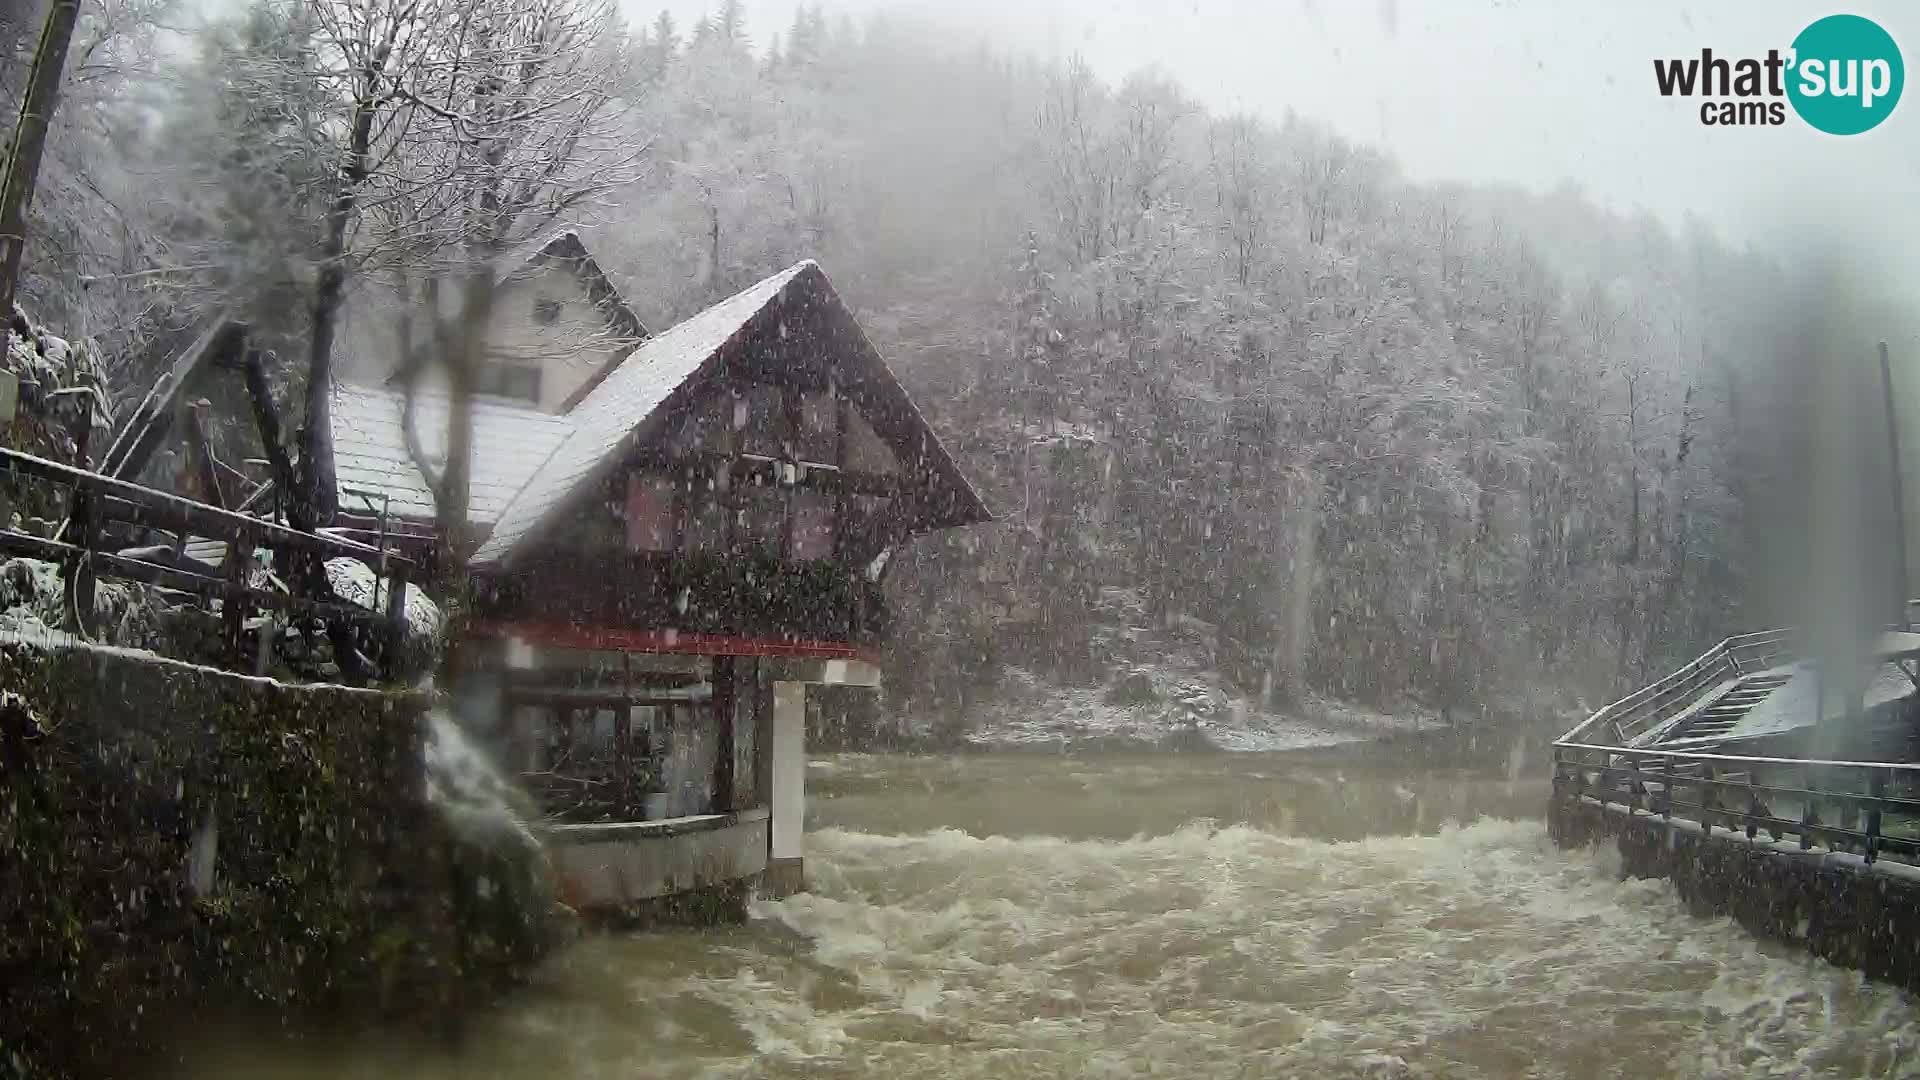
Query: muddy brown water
{"x": 1376, "y": 911}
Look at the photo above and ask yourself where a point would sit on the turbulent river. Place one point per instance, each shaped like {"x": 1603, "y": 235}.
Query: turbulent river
{"x": 1364, "y": 912}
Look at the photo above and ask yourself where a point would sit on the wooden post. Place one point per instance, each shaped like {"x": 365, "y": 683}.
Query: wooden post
{"x": 623, "y": 762}
{"x": 200, "y": 454}
{"x": 85, "y": 536}
{"x": 1901, "y": 594}
{"x": 263, "y": 647}
{"x": 724, "y": 695}
{"x": 396, "y": 619}
{"x": 760, "y": 692}
{"x": 233, "y": 603}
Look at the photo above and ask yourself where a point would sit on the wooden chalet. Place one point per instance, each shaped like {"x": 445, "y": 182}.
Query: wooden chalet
{"x": 668, "y": 554}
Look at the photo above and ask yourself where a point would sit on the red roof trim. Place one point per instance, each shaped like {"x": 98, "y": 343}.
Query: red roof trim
{"x": 618, "y": 639}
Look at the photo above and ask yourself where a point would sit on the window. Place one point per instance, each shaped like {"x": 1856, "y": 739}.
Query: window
{"x": 707, "y": 523}
{"x": 819, "y": 427}
{"x": 865, "y": 451}
{"x": 763, "y": 521}
{"x": 708, "y": 511}
{"x": 766, "y": 421}
{"x": 520, "y": 381}
{"x": 650, "y": 512}
{"x": 546, "y": 310}
{"x": 707, "y": 428}
{"x": 862, "y": 513}
{"x": 812, "y": 526}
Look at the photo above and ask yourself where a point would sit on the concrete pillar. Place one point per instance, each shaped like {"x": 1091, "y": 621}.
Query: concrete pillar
{"x": 785, "y": 866}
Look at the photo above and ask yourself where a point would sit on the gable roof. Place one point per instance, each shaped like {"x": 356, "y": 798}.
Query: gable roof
{"x": 623, "y": 399}
{"x": 566, "y": 251}
{"x": 527, "y": 464}
{"x": 370, "y": 450}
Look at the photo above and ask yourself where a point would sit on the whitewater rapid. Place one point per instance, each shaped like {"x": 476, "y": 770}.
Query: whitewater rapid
{"x": 1463, "y": 944}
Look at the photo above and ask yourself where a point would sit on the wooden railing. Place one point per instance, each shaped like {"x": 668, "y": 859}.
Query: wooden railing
{"x": 100, "y": 501}
{"x": 704, "y": 593}
{"x": 1867, "y": 808}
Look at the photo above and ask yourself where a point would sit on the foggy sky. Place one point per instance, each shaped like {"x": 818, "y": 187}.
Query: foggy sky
{"x": 1503, "y": 91}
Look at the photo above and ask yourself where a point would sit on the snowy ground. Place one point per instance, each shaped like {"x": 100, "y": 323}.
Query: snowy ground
{"x": 1034, "y": 714}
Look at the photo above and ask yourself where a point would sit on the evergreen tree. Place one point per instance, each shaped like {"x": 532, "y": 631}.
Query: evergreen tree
{"x": 730, "y": 23}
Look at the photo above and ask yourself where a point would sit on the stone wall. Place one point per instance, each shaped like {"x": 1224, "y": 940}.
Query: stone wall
{"x": 179, "y": 841}
{"x": 1834, "y": 904}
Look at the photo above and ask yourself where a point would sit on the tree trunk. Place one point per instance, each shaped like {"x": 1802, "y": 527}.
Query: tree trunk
{"x": 1288, "y": 667}
{"x": 317, "y": 489}
{"x": 29, "y": 141}
{"x": 266, "y": 418}
{"x": 453, "y": 494}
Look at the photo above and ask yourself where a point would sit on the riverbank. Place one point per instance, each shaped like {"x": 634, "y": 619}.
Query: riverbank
{"x": 1177, "y": 710}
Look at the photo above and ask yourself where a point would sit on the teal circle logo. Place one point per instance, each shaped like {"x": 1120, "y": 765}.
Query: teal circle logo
{"x": 1847, "y": 75}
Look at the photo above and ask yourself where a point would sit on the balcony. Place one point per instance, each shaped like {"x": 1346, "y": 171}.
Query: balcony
{"x": 750, "y": 595}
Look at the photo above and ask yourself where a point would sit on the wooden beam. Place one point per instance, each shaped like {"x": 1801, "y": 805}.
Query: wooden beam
{"x": 121, "y": 566}
{"x": 819, "y": 476}
{"x": 139, "y": 505}
{"x": 200, "y": 448}
{"x": 147, "y": 428}
{"x": 537, "y": 679}
{"x": 569, "y": 635}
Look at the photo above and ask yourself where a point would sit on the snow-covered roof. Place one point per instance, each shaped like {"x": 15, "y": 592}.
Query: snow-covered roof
{"x": 528, "y": 463}
{"x": 625, "y": 398}
{"x": 370, "y": 450}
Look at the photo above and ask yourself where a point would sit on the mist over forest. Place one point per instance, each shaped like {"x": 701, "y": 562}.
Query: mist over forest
{"x": 1230, "y": 383}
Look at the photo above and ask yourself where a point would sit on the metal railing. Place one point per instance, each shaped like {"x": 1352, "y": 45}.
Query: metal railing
{"x": 1867, "y": 808}
{"x": 1627, "y": 719}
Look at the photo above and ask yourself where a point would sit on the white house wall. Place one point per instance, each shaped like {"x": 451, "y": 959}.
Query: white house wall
{"x": 623, "y": 864}
{"x": 568, "y": 352}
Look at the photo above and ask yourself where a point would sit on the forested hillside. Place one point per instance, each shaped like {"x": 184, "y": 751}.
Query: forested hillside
{"x": 1383, "y": 439}
{"x": 1228, "y": 376}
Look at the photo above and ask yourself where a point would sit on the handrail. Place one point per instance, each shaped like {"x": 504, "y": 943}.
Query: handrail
{"x": 1644, "y": 781}
{"x": 1740, "y": 759}
{"x": 107, "y": 498}
{"x": 1647, "y": 783}
{"x": 210, "y": 521}
{"x": 1627, "y": 707}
